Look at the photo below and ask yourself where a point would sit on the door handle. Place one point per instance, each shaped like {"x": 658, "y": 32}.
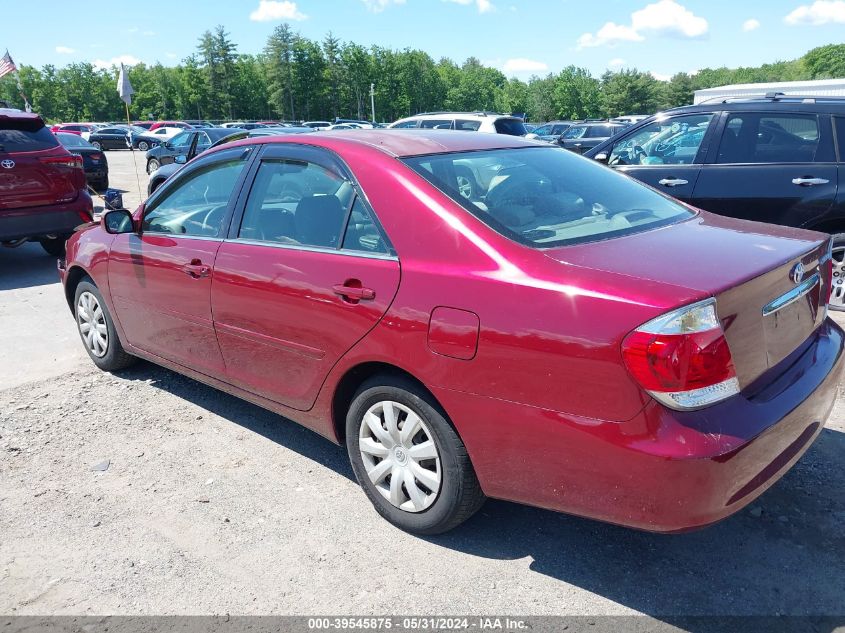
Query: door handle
{"x": 672, "y": 182}
{"x": 356, "y": 293}
{"x": 196, "y": 269}
{"x": 808, "y": 181}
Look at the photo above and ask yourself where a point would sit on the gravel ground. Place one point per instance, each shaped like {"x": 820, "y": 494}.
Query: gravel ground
{"x": 148, "y": 493}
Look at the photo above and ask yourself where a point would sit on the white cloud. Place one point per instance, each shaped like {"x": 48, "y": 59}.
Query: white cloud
{"x": 64, "y": 50}
{"x": 664, "y": 17}
{"x": 171, "y": 55}
{"x": 127, "y": 60}
{"x": 522, "y": 66}
{"x": 818, "y": 13}
{"x": 661, "y": 76}
{"x": 377, "y": 6}
{"x": 269, "y": 10}
{"x": 616, "y": 62}
{"x": 750, "y": 25}
{"x": 483, "y": 6}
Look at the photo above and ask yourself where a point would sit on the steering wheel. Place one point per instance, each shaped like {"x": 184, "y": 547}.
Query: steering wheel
{"x": 205, "y": 221}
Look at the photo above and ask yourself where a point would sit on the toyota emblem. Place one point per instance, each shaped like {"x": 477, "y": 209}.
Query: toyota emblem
{"x": 797, "y": 273}
{"x": 7, "y": 164}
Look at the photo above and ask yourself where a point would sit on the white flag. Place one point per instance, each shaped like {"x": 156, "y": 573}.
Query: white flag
{"x": 124, "y": 88}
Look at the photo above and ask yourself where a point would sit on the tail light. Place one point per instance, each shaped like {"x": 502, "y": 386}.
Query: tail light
{"x": 682, "y": 358}
{"x": 73, "y": 161}
{"x": 827, "y": 265}
{"x": 96, "y": 156}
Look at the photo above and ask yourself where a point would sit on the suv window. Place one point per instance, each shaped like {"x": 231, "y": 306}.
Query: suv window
{"x": 296, "y": 202}
{"x": 514, "y": 127}
{"x": 469, "y": 126}
{"x": 407, "y": 124}
{"x": 25, "y": 135}
{"x": 840, "y": 136}
{"x": 765, "y": 138}
{"x": 436, "y": 124}
{"x": 576, "y": 131}
{"x": 196, "y": 205}
{"x": 669, "y": 141}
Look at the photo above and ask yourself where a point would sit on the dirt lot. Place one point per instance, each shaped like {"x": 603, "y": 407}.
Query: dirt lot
{"x": 146, "y": 492}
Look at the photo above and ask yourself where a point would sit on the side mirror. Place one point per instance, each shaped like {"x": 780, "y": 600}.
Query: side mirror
{"x": 118, "y": 221}
{"x": 601, "y": 157}
{"x": 181, "y": 159}
{"x": 166, "y": 144}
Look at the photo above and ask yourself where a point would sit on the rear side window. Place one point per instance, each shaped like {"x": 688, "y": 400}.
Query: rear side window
{"x": 762, "y": 138}
{"x": 407, "y": 124}
{"x": 513, "y": 127}
{"x": 25, "y": 136}
{"x": 840, "y": 136}
{"x": 436, "y": 124}
{"x": 468, "y": 126}
{"x": 362, "y": 234}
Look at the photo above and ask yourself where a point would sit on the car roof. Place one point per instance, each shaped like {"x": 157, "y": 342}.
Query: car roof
{"x": 451, "y": 115}
{"x": 13, "y": 113}
{"x": 401, "y": 143}
{"x": 808, "y": 104}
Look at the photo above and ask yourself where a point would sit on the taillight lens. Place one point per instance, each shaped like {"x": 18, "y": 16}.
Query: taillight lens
{"x": 72, "y": 161}
{"x": 682, "y": 358}
{"x": 827, "y": 262}
{"x": 96, "y": 156}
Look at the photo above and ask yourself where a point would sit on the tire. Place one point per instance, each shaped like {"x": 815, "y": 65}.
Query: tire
{"x": 443, "y": 464}
{"x": 837, "y": 295}
{"x": 97, "y": 145}
{"x": 152, "y": 165}
{"x": 467, "y": 185}
{"x": 90, "y": 309}
{"x": 54, "y": 246}
{"x": 143, "y": 146}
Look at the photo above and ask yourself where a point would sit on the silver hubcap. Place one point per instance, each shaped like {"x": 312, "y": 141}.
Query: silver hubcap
{"x": 92, "y": 324}
{"x": 837, "y": 295}
{"x": 400, "y": 456}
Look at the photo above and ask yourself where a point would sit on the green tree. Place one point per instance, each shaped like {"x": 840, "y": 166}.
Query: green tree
{"x": 629, "y": 92}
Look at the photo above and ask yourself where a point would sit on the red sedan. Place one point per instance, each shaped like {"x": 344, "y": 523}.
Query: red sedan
{"x": 477, "y": 315}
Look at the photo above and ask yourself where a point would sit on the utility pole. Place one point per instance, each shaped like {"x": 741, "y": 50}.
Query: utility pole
{"x": 373, "y": 101}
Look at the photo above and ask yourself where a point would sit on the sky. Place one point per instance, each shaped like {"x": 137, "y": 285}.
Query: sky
{"x": 520, "y": 37}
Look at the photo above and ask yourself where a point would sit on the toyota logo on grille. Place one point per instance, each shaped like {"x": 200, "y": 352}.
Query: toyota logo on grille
{"x": 797, "y": 273}
{"x": 7, "y": 164}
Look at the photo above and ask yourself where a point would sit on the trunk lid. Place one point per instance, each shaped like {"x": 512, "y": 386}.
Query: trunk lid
{"x": 33, "y": 166}
{"x": 747, "y": 266}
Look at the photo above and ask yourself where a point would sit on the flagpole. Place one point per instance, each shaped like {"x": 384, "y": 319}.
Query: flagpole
{"x": 132, "y": 151}
{"x": 124, "y": 89}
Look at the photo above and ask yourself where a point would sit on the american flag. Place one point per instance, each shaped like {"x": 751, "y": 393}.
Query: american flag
{"x": 7, "y": 65}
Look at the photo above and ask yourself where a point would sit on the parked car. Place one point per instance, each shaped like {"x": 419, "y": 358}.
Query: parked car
{"x": 584, "y": 136}
{"x": 81, "y": 129}
{"x": 160, "y": 124}
{"x": 179, "y": 145}
{"x": 771, "y": 159}
{"x": 466, "y": 121}
{"x": 164, "y": 172}
{"x": 629, "y": 119}
{"x": 154, "y": 138}
{"x": 94, "y": 162}
{"x": 201, "y": 124}
{"x": 318, "y": 125}
{"x": 43, "y": 194}
{"x": 549, "y": 132}
{"x": 656, "y": 366}
{"x": 115, "y": 137}
{"x": 143, "y": 124}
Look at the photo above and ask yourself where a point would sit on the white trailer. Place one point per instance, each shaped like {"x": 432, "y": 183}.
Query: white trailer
{"x": 816, "y": 88}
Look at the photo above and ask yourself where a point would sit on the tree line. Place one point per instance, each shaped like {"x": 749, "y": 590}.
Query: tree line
{"x": 295, "y": 78}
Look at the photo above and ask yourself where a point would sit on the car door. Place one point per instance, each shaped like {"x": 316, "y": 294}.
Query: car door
{"x": 776, "y": 167}
{"x": 666, "y": 153}
{"x": 176, "y": 146}
{"x": 302, "y": 277}
{"x": 160, "y": 277}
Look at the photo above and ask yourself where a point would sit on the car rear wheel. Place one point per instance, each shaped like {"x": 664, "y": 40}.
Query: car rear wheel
{"x": 96, "y": 329}
{"x": 54, "y": 246}
{"x": 411, "y": 463}
{"x": 837, "y": 295}
{"x": 152, "y": 165}
{"x": 143, "y": 146}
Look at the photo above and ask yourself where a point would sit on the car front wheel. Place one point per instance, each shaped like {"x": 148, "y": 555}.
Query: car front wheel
{"x": 152, "y": 165}
{"x": 837, "y": 295}
{"x": 96, "y": 329}
{"x": 97, "y": 145}
{"x": 411, "y": 463}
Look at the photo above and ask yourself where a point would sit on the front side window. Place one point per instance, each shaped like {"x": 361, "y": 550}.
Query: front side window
{"x": 467, "y": 126}
{"x": 183, "y": 139}
{"x": 576, "y": 131}
{"x": 544, "y": 197}
{"x": 763, "y": 138}
{"x": 543, "y": 130}
{"x": 436, "y": 124}
{"x": 407, "y": 124}
{"x": 196, "y": 205}
{"x": 670, "y": 141}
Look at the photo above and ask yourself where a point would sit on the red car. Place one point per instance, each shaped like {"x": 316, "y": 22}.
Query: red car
{"x": 181, "y": 124}
{"x": 477, "y": 315}
{"x": 72, "y": 128}
{"x": 43, "y": 194}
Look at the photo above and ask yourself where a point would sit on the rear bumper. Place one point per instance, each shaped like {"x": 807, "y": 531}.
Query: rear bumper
{"x": 664, "y": 470}
{"x": 51, "y": 220}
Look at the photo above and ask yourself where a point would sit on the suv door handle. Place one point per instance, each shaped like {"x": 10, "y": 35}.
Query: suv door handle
{"x": 355, "y": 293}
{"x": 809, "y": 181}
{"x": 196, "y": 269}
{"x": 672, "y": 182}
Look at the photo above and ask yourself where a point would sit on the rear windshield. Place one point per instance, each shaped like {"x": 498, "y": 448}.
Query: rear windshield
{"x": 514, "y": 127}
{"x": 73, "y": 140}
{"x": 25, "y": 136}
{"x": 546, "y": 197}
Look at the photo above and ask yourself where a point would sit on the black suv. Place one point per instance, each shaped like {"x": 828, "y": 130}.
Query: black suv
{"x": 775, "y": 159}
{"x": 583, "y": 136}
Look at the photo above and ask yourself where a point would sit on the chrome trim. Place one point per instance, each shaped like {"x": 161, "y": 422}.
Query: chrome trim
{"x": 792, "y": 296}
{"x": 315, "y": 249}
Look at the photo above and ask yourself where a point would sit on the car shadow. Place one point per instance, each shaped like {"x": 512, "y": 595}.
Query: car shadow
{"x": 26, "y": 266}
{"x": 783, "y": 555}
